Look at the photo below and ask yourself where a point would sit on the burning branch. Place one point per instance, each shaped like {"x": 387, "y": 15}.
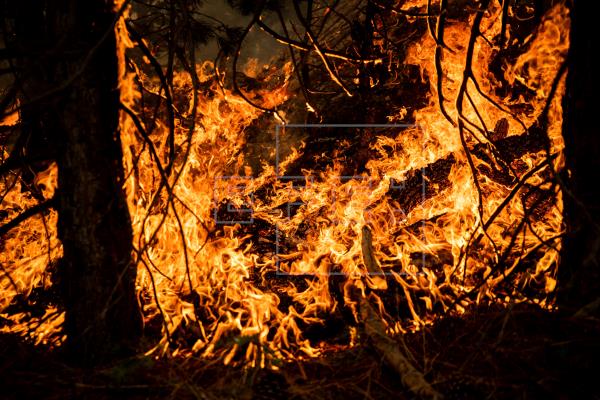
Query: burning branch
{"x": 375, "y": 277}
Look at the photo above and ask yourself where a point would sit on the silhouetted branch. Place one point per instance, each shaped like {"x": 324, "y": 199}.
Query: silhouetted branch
{"x": 30, "y": 212}
{"x": 326, "y": 62}
{"x": 306, "y": 48}
{"x": 166, "y": 87}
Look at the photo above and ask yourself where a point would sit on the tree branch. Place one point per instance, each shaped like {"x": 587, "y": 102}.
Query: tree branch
{"x": 30, "y": 212}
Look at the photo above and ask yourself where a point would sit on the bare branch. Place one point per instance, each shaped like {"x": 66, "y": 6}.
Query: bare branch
{"x": 30, "y": 212}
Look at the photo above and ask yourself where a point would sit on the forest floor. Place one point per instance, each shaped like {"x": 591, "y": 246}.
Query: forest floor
{"x": 519, "y": 352}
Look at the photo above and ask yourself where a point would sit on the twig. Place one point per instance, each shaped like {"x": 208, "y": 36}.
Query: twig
{"x": 30, "y": 212}
{"x": 328, "y": 65}
{"x": 296, "y": 66}
{"x": 411, "y": 378}
{"x": 400, "y": 11}
{"x": 438, "y": 61}
{"x": 166, "y": 87}
{"x": 375, "y": 276}
{"x": 306, "y": 48}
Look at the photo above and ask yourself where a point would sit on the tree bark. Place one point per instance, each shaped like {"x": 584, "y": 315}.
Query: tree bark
{"x": 74, "y": 62}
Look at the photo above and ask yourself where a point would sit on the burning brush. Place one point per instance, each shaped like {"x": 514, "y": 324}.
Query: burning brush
{"x": 395, "y": 164}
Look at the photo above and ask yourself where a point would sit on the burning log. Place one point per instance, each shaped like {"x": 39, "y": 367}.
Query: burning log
{"x": 428, "y": 182}
{"x": 413, "y": 190}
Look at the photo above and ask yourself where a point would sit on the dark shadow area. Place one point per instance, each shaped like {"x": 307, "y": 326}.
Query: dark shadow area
{"x": 515, "y": 353}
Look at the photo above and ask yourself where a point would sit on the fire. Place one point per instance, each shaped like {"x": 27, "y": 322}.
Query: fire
{"x": 488, "y": 231}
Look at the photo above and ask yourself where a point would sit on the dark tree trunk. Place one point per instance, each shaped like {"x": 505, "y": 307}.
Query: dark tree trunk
{"x": 75, "y": 57}
{"x": 579, "y": 279}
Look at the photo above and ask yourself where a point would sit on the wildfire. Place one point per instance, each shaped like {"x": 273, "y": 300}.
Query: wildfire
{"x": 236, "y": 262}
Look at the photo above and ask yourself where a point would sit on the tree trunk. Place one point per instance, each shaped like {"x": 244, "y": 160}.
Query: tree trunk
{"x": 76, "y": 59}
{"x": 579, "y": 276}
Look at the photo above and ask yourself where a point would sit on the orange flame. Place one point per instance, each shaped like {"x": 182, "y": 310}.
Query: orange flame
{"x": 206, "y": 283}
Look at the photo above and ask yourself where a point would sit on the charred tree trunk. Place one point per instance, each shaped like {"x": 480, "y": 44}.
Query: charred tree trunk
{"x": 579, "y": 280}
{"x": 70, "y": 85}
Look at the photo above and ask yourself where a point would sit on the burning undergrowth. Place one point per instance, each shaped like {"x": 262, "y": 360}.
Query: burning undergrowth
{"x": 419, "y": 183}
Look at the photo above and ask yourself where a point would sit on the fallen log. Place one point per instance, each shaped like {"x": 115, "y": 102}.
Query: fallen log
{"x": 428, "y": 182}
{"x": 411, "y": 377}
{"x": 375, "y": 277}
